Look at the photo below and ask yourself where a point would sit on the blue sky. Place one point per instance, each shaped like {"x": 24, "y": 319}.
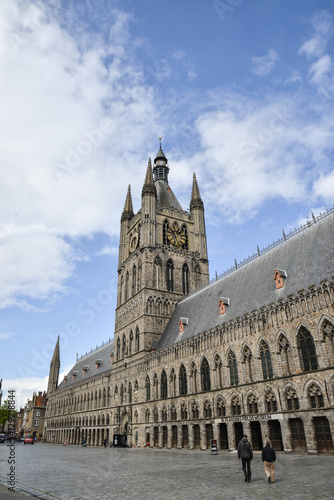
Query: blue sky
{"x": 243, "y": 93}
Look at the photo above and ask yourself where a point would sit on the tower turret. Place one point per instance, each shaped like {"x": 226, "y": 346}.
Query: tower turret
{"x": 197, "y": 211}
{"x": 160, "y": 169}
{"x": 126, "y": 217}
{"x": 148, "y": 209}
{"x": 54, "y": 369}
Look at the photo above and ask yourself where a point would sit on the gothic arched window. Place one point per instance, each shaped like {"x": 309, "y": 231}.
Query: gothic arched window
{"x": 163, "y": 387}
{"x": 267, "y": 369}
{"x": 124, "y": 346}
{"x": 291, "y": 398}
{"x": 270, "y": 401}
{"x": 247, "y": 358}
{"x": 131, "y": 343}
{"x": 118, "y": 350}
{"x": 148, "y": 388}
{"x": 173, "y": 413}
{"x": 205, "y": 375}
{"x": 207, "y": 410}
{"x": 184, "y": 411}
{"x": 126, "y": 286}
{"x": 182, "y": 381}
{"x": 235, "y": 405}
{"x": 170, "y": 276}
{"x": 195, "y": 410}
{"x": 233, "y": 367}
{"x": 284, "y": 349}
{"x": 137, "y": 340}
{"x": 134, "y": 280}
{"x": 130, "y": 393}
{"x": 252, "y": 404}
{"x": 221, "y": 408}
{"x": 306, "y": 348}
{"x": 157, "y": 273}
{"x": 198, "y": 277}
{"x": 328, "y": 336}
{"x": 185, "y": 279}
{"x": 315, "y": 397}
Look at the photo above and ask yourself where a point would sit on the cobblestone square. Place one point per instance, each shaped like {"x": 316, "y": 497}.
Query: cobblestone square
{"x": 76, "y": 473}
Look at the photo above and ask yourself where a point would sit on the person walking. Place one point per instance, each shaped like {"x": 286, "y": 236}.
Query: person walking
{"x": 105, "y": 442}
{"x": 245, "y": 453}
{"x": 268, "y": 459}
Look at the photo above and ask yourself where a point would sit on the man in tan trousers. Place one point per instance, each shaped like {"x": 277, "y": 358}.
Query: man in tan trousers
{"x": 268, "y": 458}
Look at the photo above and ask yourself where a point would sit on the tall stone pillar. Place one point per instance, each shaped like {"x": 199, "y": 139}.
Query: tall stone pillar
{"x": 231, "y": 436}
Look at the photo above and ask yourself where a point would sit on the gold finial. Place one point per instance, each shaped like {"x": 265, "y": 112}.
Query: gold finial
{"x": 160, "y": 138}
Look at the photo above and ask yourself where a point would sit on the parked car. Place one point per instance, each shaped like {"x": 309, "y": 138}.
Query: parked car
{"x": 2, "y": 438}
{"x": 28, "y": 439}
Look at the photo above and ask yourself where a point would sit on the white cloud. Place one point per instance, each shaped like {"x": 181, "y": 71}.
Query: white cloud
{"x": 262, "y": 66}
{"x": 324, "y": 187}
{"x": 70, "y": 124}
{"x": 6, "y": 335}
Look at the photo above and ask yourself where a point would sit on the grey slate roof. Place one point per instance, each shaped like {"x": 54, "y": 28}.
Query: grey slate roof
{"x": 102, "y": 353}
{"x": 165, "y": 196}
{"x": 307, "y": 257}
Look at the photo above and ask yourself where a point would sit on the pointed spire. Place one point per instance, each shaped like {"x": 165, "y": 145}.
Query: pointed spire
{"x": 149, "y": 187}
{"x": 128, "y": 209}
{"x": 56, "y": 354}
{"x": 196, "y": 200}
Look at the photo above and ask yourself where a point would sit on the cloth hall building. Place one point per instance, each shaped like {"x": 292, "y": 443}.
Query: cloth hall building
{"x": 249, "y": 352}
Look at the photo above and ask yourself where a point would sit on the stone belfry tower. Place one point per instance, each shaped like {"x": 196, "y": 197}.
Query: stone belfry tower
{"x": 54, "y": 369}
{"x": 162, "y": 258}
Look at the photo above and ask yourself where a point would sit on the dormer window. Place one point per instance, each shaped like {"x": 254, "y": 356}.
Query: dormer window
{"x": 74, "y": 374}
{"x": 65, "y": 379}
{"x": 112, "y": 357}
{"x": 223, "y": 302}
{"x": 280, "y": 277}
{"x": 182, "y": 323}
{"x": 85, "y": 369}
{"x": 98, "y": 363}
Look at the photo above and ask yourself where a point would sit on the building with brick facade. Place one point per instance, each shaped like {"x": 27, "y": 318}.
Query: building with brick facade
{"x": 249, "y": 352}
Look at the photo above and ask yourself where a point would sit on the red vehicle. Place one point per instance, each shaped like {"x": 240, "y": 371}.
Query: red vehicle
{"x": 28, "y": 439}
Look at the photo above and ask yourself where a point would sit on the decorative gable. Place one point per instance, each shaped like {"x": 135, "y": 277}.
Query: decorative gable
{"x": 223, "y": 302}
{"x": 182, "y": 323}
{"x": 280, "y": 277}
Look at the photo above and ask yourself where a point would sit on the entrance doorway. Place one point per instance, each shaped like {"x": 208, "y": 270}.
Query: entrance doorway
{"x": 155, "y": 436}
{"x": 223, "y": 436}
{"x": 323, "y": 435}
{"x": 164, "y": 436}
{"x": 238, "y": 433}
{"x": 185, "y": 436}
{"x": 256, "y": 435}
{"x": 197, "y": 436}
{"x": 298, "y": 440}
{"x": 209, "y": 435}
{"x": 275, "y": 435}
{"x": 174, "y": 436}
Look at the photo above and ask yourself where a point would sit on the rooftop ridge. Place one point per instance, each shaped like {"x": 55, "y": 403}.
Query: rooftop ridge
{"x": 83, "y": 356}
{"x": 292, "y": 234}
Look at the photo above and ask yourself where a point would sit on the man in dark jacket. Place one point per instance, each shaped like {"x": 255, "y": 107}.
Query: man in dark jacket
{"x": 268, "y": 458}
{"x": 245, "y": 452}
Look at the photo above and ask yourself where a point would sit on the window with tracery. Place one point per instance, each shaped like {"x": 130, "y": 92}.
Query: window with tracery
{"x": 184, "y": 411}
{"x": 291, "y": 398}
{"x": 182, "y": 381}
{"x": 148, "y": 389}
{"x": 285, "y": 352}
{"x": 233, "y": 367}
{"x": 207, "y": 410}
{"x": 328, "y": 336}
{"x": 315, "y": 397}
{"x": 130, "y": 393}
{"x": 185, "y": 279}
{"x": 137, "y": 340}
{"x": 267, "y": 369}
{"x": 195, "y": 410}
{"x": 147, "y": 416}
{"x": 170, "y": 276}
{"x": 247, "y": 358}
{"x": 134, "y": 280}
{"x": 163, "y": 386}
{"x": 252, "y": 404}
{"x": 173, "y": 413}
{"x": 165, "y": 228}
{"x": 235, "y": 405}
{"x": 270, "y": 402}
{"x": 155, "y": 415}
{"x": 307, "y": 352}
{"x": 164, "y": 414}
{"x": 205, "y": 375}
{"x": 221, "y": 407}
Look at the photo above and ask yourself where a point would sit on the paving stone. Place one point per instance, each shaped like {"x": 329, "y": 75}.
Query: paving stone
{"x": 76, "y": 473}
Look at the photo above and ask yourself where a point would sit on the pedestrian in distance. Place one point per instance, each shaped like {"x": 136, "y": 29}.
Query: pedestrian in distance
{"x": 105, "y": 442}
{"x": 245, "y": 453}
{"x": 268, "y": 459}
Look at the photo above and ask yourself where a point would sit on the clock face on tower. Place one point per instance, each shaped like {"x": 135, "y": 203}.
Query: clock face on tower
{"x": 134, "y": 241}
{"x": 175, "y": 236}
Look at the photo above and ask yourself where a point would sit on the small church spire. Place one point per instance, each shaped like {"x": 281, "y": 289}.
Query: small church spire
{"x": 149, "y": 187}
{"x": 128, "y": 209}
{"x": 54, "y": 369}
{"x": 196, "y": 200}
